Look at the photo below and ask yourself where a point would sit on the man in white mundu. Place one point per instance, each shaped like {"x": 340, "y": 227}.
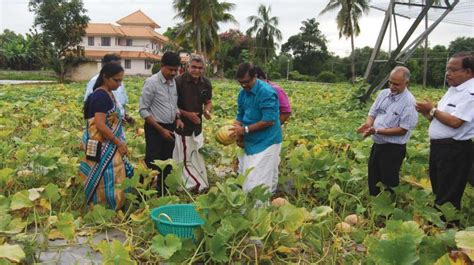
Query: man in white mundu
{"x": 194, "y": 101}
{"x": 258, "y": 124}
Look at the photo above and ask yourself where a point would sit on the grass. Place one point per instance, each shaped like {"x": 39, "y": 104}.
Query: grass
{"x": 27, "y": 75}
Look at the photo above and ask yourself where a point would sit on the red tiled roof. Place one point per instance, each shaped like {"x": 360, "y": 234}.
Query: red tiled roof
{"x": 138, "y": 18}
{"x": 123, "y": 54}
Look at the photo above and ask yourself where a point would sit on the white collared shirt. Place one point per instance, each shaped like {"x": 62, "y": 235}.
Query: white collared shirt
{"x": 459, "y": 102}
{"x": 392, "y": 111}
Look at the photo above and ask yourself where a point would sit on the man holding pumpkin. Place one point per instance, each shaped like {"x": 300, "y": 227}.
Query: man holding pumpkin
{"x": 258, "y": 123}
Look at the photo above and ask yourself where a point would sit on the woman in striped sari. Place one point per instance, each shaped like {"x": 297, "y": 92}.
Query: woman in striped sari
{"x": 106, "y": 164}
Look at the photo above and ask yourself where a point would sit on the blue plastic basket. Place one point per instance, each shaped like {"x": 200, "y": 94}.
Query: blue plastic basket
{"x": 183, "y": 219}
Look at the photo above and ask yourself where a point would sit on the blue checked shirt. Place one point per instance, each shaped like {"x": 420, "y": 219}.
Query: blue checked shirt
{"x": 392, "y": 111}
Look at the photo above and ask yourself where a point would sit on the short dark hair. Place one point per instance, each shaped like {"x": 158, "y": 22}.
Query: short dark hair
{"x": 170, "y": 59}
{"x": 245, "y": 68}
{"x": 467, "y": 59}
{"x": 111, "y": 57}
{"x": 260, "y": 73}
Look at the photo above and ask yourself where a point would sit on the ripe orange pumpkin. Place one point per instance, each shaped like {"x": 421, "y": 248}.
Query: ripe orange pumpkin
{"x": 223, "y": 135}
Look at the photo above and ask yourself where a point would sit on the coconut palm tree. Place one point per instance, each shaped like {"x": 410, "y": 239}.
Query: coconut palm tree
{"x": 200, "y": 21}
{"x": 347, "y": 20}
{"x": 266, "y": 31}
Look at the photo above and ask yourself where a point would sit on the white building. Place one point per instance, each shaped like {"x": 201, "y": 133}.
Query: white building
{"x": 133, "y": 38}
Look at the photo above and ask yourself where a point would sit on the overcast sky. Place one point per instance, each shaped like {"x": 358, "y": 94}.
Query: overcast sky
{"x": 14, "y": 15}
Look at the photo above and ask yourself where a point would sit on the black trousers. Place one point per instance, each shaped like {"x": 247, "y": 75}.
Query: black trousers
{"x": 158, "y": 148}
{"x": 384, "y": 165}
{"x": 450, "y": 163}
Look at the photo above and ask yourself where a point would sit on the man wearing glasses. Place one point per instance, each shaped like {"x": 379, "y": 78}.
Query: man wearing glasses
{"x": 391, "y": 119}
{"x": 194, "y": 101}
{"x": 451, "y": 130}
{"x": 258, "y": 123}
{"x": 159, "y": 107}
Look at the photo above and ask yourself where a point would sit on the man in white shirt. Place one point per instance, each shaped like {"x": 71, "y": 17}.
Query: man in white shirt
{"x": 451, "y": 130}
{"x": 391, "y": 119}
{"x": 120, "y": 94}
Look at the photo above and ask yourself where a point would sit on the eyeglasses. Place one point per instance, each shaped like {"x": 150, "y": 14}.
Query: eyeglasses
{"x": 245, "y": 82}
{"x": 197, "y": 67}
{"x": 452, "y": 70}
{"x": 172, "y": 69}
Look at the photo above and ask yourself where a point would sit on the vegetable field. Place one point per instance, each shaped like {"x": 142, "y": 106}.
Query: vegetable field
{"x": 323, "y": 180}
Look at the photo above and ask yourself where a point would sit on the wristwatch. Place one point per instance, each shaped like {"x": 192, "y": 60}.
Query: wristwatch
{"x": 246, "y": 129}
{"x": 432, "y": 112}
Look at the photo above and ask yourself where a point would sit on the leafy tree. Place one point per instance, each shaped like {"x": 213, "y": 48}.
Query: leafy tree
{"x": 63, "y": 23}
{"x": 200, "y": 22}
{"x": 308, "y": 47}
{"x": 361, "y": 57}
{"x": 233, "y": 49}
{"x": 180, "y": 45}
{"x": 266, "y": 31}
{"x": 22, "y": 53}
{"x": 347, "y": 20}
{"x": 461, "y": 44}
{"x": 279, "y": 66}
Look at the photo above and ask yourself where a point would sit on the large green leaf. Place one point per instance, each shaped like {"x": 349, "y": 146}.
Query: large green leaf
{"x": 398, "y": 251}
{"x": 65, "y": 225}
{"x": 20, "y": 200}
{"x": 291, "y": 217}
{"x": 52, "y": 192}
{"x": 320, "y": 212}
{"x": 382, "y": 204}
{"x": 99, "y": 215}
{"x": 13, "y": 253}
{"x": 6, "y": 174}
{"x": 115, "y": 253}
{"x": 261, "y": 222}
{"x": 165, "y": 246}
{"x": 398, "y": 243}
{"x": 465, "y": 241}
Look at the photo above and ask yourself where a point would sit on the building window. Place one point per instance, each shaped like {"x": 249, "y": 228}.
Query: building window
{"x": 105, "y": 41}
{"x": 148, "y": 64}
{"x": 128, "y": 64}
{"x": 129, "y": 42}
{"x": 90, "y": 41}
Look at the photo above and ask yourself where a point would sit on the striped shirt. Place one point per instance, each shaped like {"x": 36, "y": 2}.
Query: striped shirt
{"x": 159, "y": 99}
{"x": 392, "y": 111}
{"x": 459, "y": 102}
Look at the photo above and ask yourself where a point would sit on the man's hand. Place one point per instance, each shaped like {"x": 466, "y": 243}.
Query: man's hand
{"x": 240, "y": 142}
{"x": 363, "y": 128}
{"x": 167, "y": 134}
{"x": 207, "y": 114}
{"x": 237, "y": 131}
{"x": 368, "y": 132}
{"x": 128, "y": 120}
{"x": 424, "y": 107}
{"x": 179, "y": 124}
{"x": 192, "y": 116}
